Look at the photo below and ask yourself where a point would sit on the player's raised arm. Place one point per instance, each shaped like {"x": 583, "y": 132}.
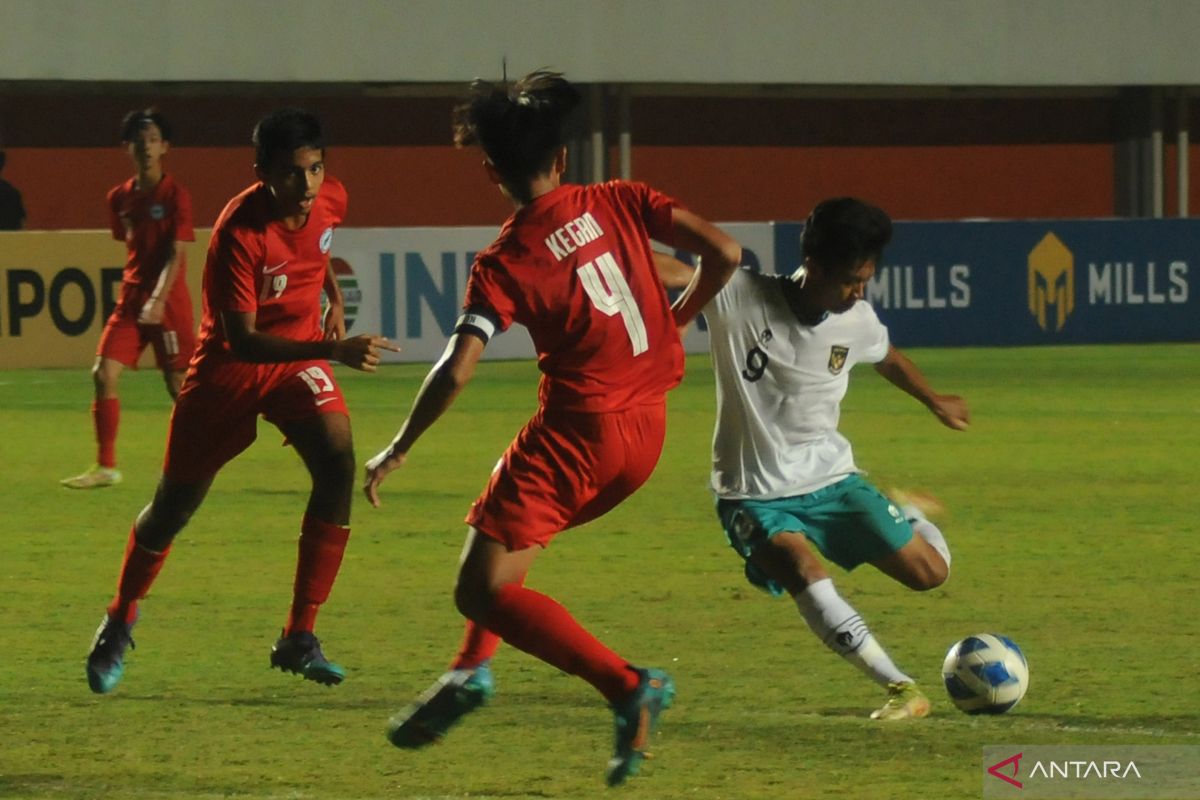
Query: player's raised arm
{"x": 903, "y": 373}
{"x": 443, "y": 383}
{"x": 719, "y": 255}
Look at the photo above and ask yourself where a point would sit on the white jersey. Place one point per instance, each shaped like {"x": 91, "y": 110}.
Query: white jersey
{"x": 780, "y": 384}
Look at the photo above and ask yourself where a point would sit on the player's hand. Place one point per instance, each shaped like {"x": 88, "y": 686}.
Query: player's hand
{"x": 334, "y": 323}
{"x": 952, "y": 411}
{"x": 152, "y": 313}
{"x": 362, "y": 352}
{"x": 377, "y": 469}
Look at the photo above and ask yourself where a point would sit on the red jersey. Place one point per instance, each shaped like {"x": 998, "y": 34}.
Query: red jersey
{"x": 575, "y": 267}
{"x": 255, "y": 264}
{"x": 148, "y": 223}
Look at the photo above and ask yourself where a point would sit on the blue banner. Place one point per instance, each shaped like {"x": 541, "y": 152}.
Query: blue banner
{"x": 1033, "y": 282}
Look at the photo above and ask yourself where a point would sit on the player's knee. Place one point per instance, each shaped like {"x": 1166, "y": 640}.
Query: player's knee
{"x": 104, "y": 379}
{"x": 932, "y": 574}
{"x": 472, "y": 601}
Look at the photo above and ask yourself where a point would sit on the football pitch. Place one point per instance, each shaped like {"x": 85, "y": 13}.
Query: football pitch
{"x": 1073, "y": 522}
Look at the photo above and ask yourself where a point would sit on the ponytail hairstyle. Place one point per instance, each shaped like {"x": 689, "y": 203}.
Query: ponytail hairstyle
{"x": 520, "y": 127}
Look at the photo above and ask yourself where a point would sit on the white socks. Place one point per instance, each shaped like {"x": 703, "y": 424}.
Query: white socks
{"x": 838, "y": 625}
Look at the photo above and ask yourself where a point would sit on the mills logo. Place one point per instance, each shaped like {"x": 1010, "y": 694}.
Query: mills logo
{"x": 351, "y": 294}
{"x": 1051, "y": 283}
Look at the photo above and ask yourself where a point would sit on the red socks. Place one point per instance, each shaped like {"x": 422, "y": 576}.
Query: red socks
{"x": 106, "y": 414}
{"x": 541, "y": 627}
{"x": 138, "y": 571}
{"x": 321, "y": 547}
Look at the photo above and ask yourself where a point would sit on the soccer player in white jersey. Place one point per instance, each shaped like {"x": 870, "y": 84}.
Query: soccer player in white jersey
{"x": 784, "y": 477}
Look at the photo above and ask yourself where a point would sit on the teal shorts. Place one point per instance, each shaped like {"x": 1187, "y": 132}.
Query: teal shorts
{"x": 849, "y": 522}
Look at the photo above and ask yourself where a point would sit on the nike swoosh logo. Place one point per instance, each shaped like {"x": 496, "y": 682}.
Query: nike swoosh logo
{"x": 276, "y": 268}
{"x": 323, "y": 402}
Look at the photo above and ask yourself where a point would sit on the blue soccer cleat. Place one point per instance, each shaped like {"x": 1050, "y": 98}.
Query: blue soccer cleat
{"x": 106, "y": 661}
{"x": 453, "y": 696}
{"x": 636, "y": 720}
{"x": 301, "y": 653}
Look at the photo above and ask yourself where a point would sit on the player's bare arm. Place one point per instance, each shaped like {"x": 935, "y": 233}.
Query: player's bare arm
{"x": 673, "y": 273}
{"x": 719, "y": 255}
{"x": 443, "y": 383}
{"x": 901, "y": 372}
{"x": 248, "y": 344}
{"x": 334, "y": 322}
{"x": 154, "y": 308}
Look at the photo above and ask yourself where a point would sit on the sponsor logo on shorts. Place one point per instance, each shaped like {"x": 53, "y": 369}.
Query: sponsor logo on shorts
{"x": 268, "y": 270}
{"x": 157, "y": 212}
{"x": 324, "y": 400}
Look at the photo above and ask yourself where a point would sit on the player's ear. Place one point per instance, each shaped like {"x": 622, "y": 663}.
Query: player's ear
{"x": 260, "y": 173}
{"x": 492, "y": 173}
{"x": 560, "y": 161}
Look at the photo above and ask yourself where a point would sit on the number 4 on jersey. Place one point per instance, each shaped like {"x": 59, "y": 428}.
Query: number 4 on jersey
{"x": 610, "y": 294}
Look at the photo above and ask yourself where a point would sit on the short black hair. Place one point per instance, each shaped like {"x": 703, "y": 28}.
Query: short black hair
{"x": 283, "y": 132}
{"x": 135, "y": 120}
{"x": 520, "y": 127}
{"x": 843, "y": 232}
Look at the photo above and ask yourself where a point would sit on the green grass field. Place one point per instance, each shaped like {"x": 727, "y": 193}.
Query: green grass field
{"x": 1073, "y": 522}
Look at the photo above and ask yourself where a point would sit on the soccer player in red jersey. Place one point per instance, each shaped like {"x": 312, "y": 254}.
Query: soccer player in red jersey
{"x": 263, "y": 350}
{"x": 152, "y": 213}
{"x": 573, "y": 264}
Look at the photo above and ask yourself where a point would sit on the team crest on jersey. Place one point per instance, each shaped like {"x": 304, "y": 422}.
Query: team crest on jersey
{"x": 157, "y": 212}
{"x": 837, "y": 358}
{"x": 326, "y": 240}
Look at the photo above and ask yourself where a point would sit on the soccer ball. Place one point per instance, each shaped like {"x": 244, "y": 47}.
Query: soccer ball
{"x": 985, "y": 674}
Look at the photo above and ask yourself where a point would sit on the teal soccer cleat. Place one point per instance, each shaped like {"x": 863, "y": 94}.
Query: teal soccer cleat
{"x": 636, "y": 720}
{"x": 106, "y": 661}
{"x": 453, "y": 696}
{"x": 301, "y": 653}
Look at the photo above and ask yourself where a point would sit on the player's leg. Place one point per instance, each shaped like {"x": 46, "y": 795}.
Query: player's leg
{"x": 173, "y": 341}
{"x": 780, "y": 559}
{"x": 145, "y": 552}
{"x": 209, "y": 426}
{"x": 106, "y": 416}
{"x": 324, "y": 442}
{"x": 923, "y": 563}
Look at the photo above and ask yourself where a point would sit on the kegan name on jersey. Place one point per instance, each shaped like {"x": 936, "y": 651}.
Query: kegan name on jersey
{"x": 573, "y": 235}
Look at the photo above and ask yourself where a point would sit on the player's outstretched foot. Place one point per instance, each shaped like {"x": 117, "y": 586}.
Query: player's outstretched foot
{"x": 96, "y": 477}
{"x": 300, "y": 652}
{"x": 905, "y": 701}
{"x": 453, "y": 696}
{"x": 106, "y": 661}
{"x": 636, "y": 720}
{"x": 916, "y": 504}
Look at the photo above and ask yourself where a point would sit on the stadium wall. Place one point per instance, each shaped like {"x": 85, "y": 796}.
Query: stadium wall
{"x": 941, "y": 284}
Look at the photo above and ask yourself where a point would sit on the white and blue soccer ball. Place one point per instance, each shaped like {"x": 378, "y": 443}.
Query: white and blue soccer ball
{"x": 985, "y": 674}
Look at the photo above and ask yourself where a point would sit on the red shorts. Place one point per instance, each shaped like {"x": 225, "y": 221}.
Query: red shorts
{"x": 565, "y": 469}
{"x": 123, "y": 339}
{"x": 216, "y": 413}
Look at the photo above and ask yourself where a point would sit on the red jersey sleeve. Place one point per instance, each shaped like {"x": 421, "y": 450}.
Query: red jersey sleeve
{"x": 184, "y": 232}
{"x": 655, "y": 209}
{"x": 232, "y": 260}
{"x": 334, "y": 193}
{"x": 112, "y": 199}
{"x": 490, "y": 289}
